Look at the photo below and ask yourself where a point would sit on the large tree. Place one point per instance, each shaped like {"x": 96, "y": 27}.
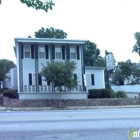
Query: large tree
{"x": 136, "y": 47}
{"x": 50, "y": 33}
{"x": 91, "y": 53}
{"x": 124, "y": 71}
{"x": 38, "y": 4}
{"x": 60, "y": 74}
{"x": 5, "y": 66}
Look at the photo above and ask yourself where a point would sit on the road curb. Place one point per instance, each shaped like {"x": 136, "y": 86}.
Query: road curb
{"x": 2, "y": 108}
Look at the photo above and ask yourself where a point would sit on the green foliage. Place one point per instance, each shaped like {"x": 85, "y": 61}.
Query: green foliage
{"x": 105, "y": 93}
{"x": 121, "y": 94}
{"x": 5, "y": 66}
{"x": 136, "y": 47}
{"x": 91, "y": 53}
{"x": 60, "y": 74}
{"x": 100, "y": 62}
{"x": 2, "y": 72}
{"x": 118, "y": 78}
{"x": 50, "y": 33}
{"x": 10, "y": 93}
{"x": 124, "y": 71}
{"x": 38, "y": 4}
{"x": 94, "y": 93}
{"x": 113, "y": 94}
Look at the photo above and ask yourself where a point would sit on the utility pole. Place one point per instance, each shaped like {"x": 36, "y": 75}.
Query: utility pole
{"x": 107, "y": 74}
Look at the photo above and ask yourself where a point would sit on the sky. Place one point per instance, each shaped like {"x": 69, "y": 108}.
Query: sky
{"x": 110, "y": 24}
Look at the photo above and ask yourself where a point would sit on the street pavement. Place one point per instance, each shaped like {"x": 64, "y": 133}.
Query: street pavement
{"x": 82, "y": 124}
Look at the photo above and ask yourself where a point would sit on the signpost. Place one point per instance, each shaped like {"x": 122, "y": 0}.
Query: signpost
{"x": 109, "y": 64}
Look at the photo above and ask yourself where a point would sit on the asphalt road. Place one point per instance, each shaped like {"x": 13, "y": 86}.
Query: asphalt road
{"x": 95, "y": 124}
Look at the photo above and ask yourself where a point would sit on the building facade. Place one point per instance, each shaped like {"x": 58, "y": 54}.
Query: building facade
{"x": 94, "y": 77}
{"x": 31, "y": 53}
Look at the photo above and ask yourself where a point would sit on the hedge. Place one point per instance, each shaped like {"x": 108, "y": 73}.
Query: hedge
{"x": 10, "y": 93}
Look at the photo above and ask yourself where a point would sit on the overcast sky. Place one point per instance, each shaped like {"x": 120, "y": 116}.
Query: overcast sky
{"x": 110, "y": 24}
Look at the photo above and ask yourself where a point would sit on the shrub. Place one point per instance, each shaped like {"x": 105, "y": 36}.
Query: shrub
{"x": 105, "y": 93}
{"x": 121, "y": 94}
{"x": 113, "y": 94}
{"x": 10, "y": 93}
{"x": 94, "y": 93}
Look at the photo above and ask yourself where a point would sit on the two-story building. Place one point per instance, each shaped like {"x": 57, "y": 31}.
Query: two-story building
{"x": 31, "y": 53}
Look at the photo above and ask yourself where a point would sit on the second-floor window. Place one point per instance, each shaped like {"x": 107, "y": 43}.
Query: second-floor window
{"x": 27, "y": 51}
{"x": 72, "y": 52}
{"x": 41, "y": 52}
{"x": 58, "y": 53}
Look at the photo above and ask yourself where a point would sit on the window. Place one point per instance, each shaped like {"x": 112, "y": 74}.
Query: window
{"x": 27, "y": 50}
{"x": 58, "y": 54}
{"x": 30, "y": 79}
{"x": 92, "y": 79}
{"x": 73, "y": 52}
{"x": 41, "y": 52}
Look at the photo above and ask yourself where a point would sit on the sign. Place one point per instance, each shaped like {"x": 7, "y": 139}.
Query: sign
{"x": 110, "y": 61}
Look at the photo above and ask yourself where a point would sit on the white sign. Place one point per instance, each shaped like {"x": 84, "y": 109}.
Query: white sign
{"x": 109, "y": 61}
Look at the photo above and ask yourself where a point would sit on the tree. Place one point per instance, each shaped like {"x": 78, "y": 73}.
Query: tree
{"x": 50, "y": 33}
{"x": 38, "y": 4}
{"x": 136, "y": 47}
{"x": 91, "y": 53}
{"x": 124, "y": 71}
{"x": 60, "y": 74}
{"x": 100, "y": 62}
{"x": 5, "y": 66}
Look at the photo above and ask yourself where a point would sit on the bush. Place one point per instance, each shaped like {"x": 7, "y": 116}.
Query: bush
{"x": 113, "y": 94}
{"x": 10, "y": 93}
{"x": 121, "y": 94}
{"x": 105, "y": 93}
{"x": 94, "y": 93}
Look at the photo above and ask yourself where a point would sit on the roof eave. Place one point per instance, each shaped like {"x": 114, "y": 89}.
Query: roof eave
{"x": 49, "y": 40}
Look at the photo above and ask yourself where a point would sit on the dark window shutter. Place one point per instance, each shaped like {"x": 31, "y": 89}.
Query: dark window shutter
{"x": 30, "y": 79}
{"x": 39, "y": 79}
{"x": 53, "y": 51}
{"x": 77, "y": 50}
{"x": 92, "y": 79}
{"x": 21, "y": 51}
{"x": 46, "y": 51}
{"x": 36, "y": 51}
{"x": 75, "y": 76}
{"x": 48, "y": 83}
{"x": 68, "y": 52}
{"x": 63, "y": 52}
{"x": 32, "y": 51}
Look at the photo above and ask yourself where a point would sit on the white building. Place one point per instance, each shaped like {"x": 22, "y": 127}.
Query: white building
{"x": 11, "y": 79}
{"x": 94, "y": 77}
{"x": 31, "y": 53}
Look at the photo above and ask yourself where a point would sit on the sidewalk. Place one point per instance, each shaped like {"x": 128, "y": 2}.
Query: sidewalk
{"x": 64, "y": 108}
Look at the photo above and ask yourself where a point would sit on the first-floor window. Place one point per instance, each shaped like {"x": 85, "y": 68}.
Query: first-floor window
{"x": 92, "y": 79}
{"x": 30, "y": 78}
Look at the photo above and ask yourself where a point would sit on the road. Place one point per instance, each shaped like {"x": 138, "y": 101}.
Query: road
{"x": 92, "y": 124}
